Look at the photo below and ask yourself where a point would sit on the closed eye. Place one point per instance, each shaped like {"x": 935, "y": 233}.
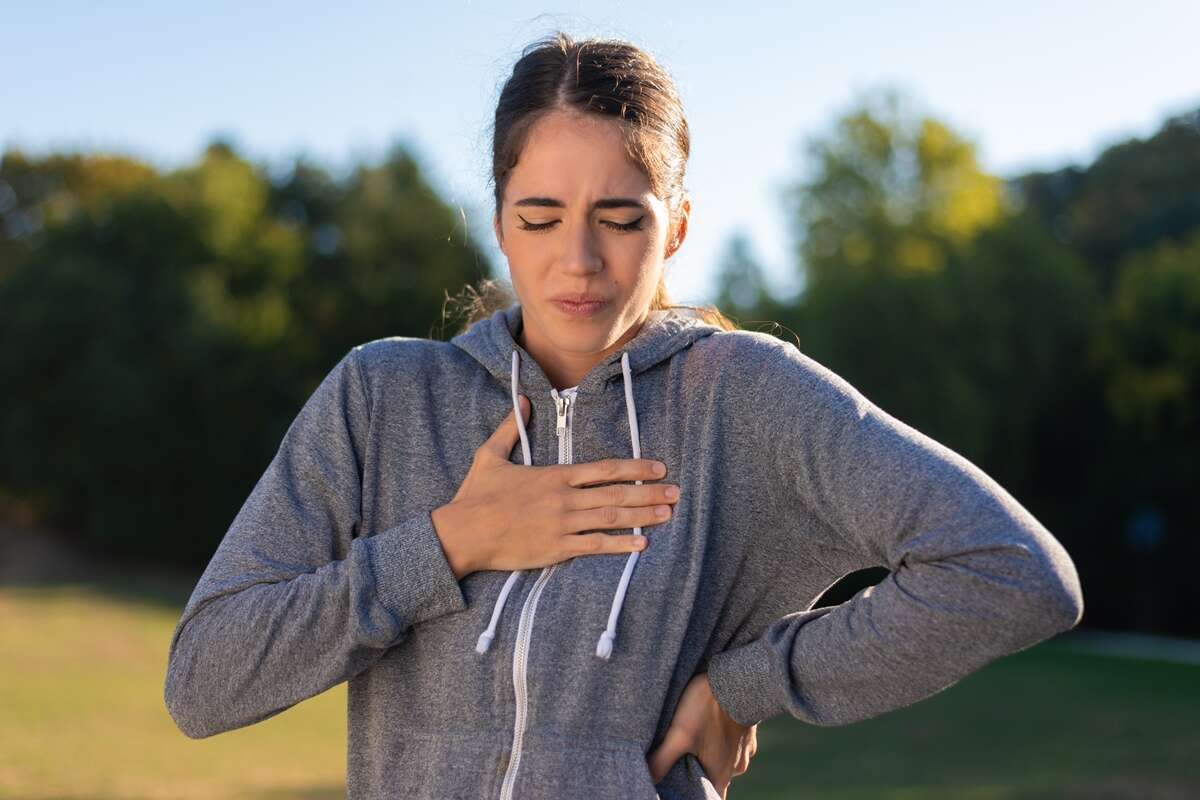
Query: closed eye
{"x": 635, "y": 225}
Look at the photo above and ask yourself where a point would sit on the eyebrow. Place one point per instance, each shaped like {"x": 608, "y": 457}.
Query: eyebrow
{"x": 604, "y": 202}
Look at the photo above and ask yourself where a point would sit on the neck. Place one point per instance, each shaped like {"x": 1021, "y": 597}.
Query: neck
{"x": 566, "y": 369}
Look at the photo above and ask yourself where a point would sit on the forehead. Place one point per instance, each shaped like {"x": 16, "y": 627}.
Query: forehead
{"x": 567, "y": 155}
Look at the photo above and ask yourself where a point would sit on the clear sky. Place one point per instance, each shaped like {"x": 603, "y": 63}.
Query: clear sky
{"x": 1034, "y": 85}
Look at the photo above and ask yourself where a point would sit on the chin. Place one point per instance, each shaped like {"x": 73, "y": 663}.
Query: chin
{"x": 581, "y": 336}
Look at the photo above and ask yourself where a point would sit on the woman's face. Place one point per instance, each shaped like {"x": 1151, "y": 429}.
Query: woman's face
{"x": 578, "y": 218}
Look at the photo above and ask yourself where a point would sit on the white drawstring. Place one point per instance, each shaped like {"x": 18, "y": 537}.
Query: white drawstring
{"x": 485, "y": 638}
{"x": 605, "y": 646}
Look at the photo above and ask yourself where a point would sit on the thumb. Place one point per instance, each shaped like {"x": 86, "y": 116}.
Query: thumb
{"x": 501, "y": 442}
{"x": 662, "y": 758}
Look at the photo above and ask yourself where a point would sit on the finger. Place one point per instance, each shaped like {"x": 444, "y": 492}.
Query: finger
{"x": 610, "y": 470}
{"x": 615, "y": 517}
{"x": 592, "y": 543}
{"x": 501, "y": 442}
{"x": 622, "y": 494}
{"x": 673, "y": 746}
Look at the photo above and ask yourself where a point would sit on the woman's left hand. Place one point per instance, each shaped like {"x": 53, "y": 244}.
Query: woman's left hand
{"x": 702, "y": 728}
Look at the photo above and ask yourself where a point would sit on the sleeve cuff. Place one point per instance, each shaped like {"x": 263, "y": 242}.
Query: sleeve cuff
{"x": 413, "y": 579}
{"x": 741, "y": 682}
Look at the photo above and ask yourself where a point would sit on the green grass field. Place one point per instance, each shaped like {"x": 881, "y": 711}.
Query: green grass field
{"x": 82, "y": 716}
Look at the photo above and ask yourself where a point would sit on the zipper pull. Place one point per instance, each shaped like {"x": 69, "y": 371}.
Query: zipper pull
{"x": 560, "y": 403}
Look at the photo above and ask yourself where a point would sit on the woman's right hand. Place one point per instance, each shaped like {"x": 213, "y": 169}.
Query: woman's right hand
{"x": 509, "y": 516}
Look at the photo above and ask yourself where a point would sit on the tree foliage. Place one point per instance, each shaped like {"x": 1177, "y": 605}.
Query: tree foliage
{"x": 162, "y": 330}
{"x": 1045, "y": 327}
{"x": 889, "y": 192}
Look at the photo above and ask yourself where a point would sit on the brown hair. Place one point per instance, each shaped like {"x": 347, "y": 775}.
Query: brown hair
{"x": 608, "y": 78}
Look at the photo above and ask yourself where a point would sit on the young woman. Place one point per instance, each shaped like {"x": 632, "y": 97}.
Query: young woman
{"x": 481, "y": 536}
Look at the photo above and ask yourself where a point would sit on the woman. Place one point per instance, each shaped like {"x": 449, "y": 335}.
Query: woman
{"x": 453, "y": 527}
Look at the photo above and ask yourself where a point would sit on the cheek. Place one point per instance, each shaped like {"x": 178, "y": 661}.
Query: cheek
{"x": 639, "y": 248}
{"x": 633, "y": 263}
{"x": 522, "y": 258}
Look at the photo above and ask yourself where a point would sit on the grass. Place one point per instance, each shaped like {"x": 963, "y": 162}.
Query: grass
{"x": 88, "y": 718}
{"x": 1043, "y": 723}
{"x": 82, "y": 716}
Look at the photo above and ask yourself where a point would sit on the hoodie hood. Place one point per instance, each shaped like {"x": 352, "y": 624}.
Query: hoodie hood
{"x": 493, "y": 343}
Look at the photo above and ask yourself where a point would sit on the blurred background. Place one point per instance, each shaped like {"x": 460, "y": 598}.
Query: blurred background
{"x": 986, "y": 219}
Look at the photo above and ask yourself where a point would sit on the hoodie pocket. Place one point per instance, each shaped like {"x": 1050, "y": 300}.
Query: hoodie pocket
{"x": 697, "y": 775}
{"x": 687, "y": 780}
{"x": 409, "y": 763}
{"x": 593, "y": 767}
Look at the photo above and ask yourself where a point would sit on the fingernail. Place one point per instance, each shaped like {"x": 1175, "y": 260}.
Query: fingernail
{"x": 672, "y": 492}
{"x": 660, "y": 469}
{"x": 639, "y": 542}
{"x": 662, "y": 511}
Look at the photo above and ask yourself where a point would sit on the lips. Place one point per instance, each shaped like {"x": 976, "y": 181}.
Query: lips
{"x": 578, "y": 299}
{"x": 580, "y": 305}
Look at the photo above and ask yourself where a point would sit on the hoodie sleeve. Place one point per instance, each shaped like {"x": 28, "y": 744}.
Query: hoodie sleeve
{"x": 278, "y": 616}
{"x": 974, "y": 576}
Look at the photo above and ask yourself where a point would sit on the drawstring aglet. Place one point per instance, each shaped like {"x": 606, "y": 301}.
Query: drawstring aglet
{"x": 604, "y": 647}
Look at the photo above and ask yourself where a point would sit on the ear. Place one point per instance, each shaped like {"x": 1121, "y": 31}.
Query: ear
{"x": 498, "y": 231}
{"x": 685, "y": 209}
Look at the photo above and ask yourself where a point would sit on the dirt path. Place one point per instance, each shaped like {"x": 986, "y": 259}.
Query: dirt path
{"x": 1123, "y": 644}
{"x": 31, "y": 555}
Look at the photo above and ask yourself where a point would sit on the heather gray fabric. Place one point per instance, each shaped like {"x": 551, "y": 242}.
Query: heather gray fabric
{"x": 791, "y": 478}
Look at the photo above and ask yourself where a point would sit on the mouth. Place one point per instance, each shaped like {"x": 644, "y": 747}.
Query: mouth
{"x": 584, "y": 307}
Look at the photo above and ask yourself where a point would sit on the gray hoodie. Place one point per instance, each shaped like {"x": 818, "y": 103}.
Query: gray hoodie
{"x": 557, "y": 682}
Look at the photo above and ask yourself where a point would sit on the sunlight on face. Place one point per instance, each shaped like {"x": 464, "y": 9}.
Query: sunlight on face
{"x": 558, "y": 241}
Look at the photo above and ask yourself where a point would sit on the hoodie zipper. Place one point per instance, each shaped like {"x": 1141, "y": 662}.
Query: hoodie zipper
{"x": 564, "y": 404}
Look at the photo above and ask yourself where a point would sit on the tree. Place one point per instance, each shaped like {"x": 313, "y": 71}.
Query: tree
{"x": 1135, "y": 195}
{"x": 926, "y": 291}
{"x": 889, "y": 191}
{"x": 170, "y": 327}
{"x": 741, "y": 285}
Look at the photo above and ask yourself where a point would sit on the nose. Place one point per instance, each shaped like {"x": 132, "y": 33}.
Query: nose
{"x": 581, "y": 255}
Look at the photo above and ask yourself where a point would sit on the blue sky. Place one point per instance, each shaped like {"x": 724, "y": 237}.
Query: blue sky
{"x": 1034, "y": 85}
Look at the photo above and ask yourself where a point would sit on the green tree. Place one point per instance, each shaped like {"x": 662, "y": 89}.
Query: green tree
{"x": 35, "y": 193}
{"x": 170, "y": 327}
{"x": 1135, "y": 195}
{"x": 1151, "y": 342}
{"x": 889, "y": 191}
{"x": 741, "y": 285}
{"x": 926, "y": 290}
